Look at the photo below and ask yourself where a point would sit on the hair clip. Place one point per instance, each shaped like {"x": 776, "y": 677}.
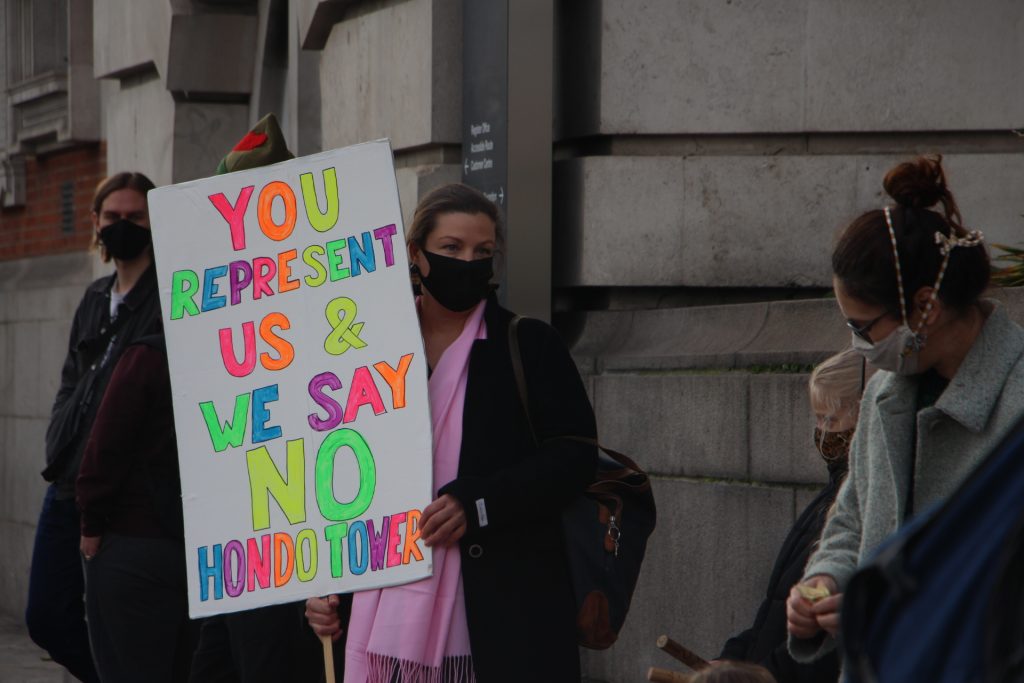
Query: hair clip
{"x": 950, "y": 242}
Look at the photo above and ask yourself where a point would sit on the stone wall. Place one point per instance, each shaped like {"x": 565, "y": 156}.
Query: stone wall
{"x": 38, "y": 297}
{"x": 722, "y": 144}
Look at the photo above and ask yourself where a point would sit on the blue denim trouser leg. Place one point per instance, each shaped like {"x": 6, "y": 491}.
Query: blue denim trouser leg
{"x": 56, "y": 609}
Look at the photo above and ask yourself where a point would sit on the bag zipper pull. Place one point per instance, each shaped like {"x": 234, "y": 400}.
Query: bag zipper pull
{"x": 615, "y": 533}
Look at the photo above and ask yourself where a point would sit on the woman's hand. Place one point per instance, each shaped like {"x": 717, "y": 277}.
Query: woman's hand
{"x": 322, "y": 615}
{"x": 90, "y": 545}
{"x": 802, "y": 615}
{"x": 826, "y": 611}
{"x": 443, "y": 522}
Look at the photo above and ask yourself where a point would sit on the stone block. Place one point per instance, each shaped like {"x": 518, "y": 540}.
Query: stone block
{"x": 211, "y": 54}
{"x": 416, "y": 181}
{"x": 394, "y": 72}
{"x": 27, "y": 369}
{"x": 764, "y": 221}
{"x": 140, "y": 121}
{"x": 203, "y": 134}
{"x": 316, "y": 18}
{"x": 53, "y": 348}
{"x": 928, "y": 53}
{"x": 732, "y": 336}
{"x": 742, "y": 221}
{"x": 781, "y": 430}
{"x": 684, "y": 424}
{"x": 619, "y": 221}
{"x": 669, "y": 67}
{"x": 804, "y": 498}
{"x": 7, "y": 365}
{"x": 58, "y": 270}
{"x": 674, "y": 67}
{"x": 704, "y": 574}
{"x": 23, "y": 489}
{"x": 18, "y": 541}
{"x": 129, "y": 36}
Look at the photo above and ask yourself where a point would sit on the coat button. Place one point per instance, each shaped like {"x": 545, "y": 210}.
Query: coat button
{"x": 475, "y": 551}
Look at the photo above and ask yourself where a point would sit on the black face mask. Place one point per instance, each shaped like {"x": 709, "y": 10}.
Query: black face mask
{"x": 456, "y": 284}
{"x": 125, "y": 240}
{"x": 834, "y": 448}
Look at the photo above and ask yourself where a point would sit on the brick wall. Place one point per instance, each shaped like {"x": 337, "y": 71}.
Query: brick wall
{"x": 55, "y": 216}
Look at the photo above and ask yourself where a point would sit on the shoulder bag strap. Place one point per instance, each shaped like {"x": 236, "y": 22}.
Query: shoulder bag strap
{"x": 517, "y": 369}
{"x": 628, "y": 466}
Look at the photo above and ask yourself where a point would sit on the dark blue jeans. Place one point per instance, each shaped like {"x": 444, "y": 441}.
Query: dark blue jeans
{"x": 56, "y": 609}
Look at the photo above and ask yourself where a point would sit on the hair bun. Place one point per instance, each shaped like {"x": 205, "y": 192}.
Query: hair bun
{"x": 920, "y": 183}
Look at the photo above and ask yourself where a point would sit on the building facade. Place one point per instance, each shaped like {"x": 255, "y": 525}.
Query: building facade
{"x": 703, "y": 155}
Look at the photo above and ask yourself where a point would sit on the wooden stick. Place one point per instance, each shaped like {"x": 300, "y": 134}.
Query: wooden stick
{"x": 657, "y": 675}
{"x": 680, "y": 653}
{"x": 328, "y": 659}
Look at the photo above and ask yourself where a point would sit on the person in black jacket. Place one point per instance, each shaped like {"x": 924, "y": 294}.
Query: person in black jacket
{"x": 835, "y": 388}
{"x": 115, "y": 311}
{"x": 500, "y": 509}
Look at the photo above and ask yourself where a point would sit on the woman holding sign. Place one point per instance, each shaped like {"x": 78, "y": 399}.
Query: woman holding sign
{"x": 500, "y": 604}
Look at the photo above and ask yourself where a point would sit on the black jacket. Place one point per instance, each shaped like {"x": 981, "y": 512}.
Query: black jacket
{"x": 519, "y": 601}
{"x": 764, "y": 643}
{"x": 93, "y": 349}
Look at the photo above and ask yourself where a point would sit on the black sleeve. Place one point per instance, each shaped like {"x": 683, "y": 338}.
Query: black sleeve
{"x": 69, "y": 372}
{"x": 736, "y": 647}
{"x": 558, "y": 468}
{"x": 785, "y": 668}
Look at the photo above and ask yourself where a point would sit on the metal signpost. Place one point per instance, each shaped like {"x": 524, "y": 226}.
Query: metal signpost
{"x": 508, "y": 62}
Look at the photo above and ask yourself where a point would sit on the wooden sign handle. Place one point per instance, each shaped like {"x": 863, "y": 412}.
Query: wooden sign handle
{"x": 657, "y": 675}
{"x": 328, "y": 659}
{"x": 679, "y": 652}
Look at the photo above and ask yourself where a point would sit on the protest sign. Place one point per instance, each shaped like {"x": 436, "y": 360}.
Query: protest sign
{"x": 299, "y": 379}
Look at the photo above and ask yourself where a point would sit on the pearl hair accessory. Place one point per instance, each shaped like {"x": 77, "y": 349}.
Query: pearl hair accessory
{"x": 947, "y": 244}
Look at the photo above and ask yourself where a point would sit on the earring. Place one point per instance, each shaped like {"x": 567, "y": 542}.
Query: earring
{"x": 414, "y": 269}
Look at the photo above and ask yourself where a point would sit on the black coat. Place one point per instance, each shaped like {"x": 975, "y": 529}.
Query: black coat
{"x": 94, "y": 346}
{"x": 519, "y": 601}
{"x": 764, "y": 642}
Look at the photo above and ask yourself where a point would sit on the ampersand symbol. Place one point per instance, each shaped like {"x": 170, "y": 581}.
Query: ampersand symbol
{"x": 341, "y": 314}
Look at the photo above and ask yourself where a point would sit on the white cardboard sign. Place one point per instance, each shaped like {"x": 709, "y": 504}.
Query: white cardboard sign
{"x": 299, "y": 379}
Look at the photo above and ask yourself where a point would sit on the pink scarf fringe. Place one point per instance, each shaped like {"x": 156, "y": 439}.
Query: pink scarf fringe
{"x": 393, "y": 670}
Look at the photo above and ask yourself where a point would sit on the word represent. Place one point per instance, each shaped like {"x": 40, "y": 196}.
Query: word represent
{"x": 265, "y": 276}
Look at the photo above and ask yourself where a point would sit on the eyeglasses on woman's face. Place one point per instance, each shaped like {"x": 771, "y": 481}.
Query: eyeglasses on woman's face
{"x": 862, "y": 330}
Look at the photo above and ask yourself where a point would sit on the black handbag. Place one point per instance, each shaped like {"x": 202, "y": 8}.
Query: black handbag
{"x": 606, "y": 530}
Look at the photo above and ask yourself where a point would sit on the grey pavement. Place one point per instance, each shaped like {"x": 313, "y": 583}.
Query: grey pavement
{"x": 21, "y": 661}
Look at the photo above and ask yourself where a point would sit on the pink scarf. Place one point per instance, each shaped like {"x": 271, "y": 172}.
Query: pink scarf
{"x": 418, "y": 632}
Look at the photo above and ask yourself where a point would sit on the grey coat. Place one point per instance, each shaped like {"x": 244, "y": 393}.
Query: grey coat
{"x": 982, "y": 402}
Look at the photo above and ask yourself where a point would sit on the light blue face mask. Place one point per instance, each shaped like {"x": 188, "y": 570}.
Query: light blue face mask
{"x": 897, "y": 353}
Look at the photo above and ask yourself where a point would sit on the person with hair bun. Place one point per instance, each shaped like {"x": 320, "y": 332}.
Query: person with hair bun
{"x": 909, "y": 280}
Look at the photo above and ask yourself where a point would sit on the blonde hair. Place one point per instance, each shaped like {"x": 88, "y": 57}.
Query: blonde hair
{"x": 733, "y": 672}
{"x": 838, "y": 381}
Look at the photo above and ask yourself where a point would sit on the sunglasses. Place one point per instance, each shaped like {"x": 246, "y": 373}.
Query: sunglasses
{"x": 862, "y": 331}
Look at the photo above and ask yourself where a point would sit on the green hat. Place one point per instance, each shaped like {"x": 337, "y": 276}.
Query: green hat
{"x": 261, "y": 146}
